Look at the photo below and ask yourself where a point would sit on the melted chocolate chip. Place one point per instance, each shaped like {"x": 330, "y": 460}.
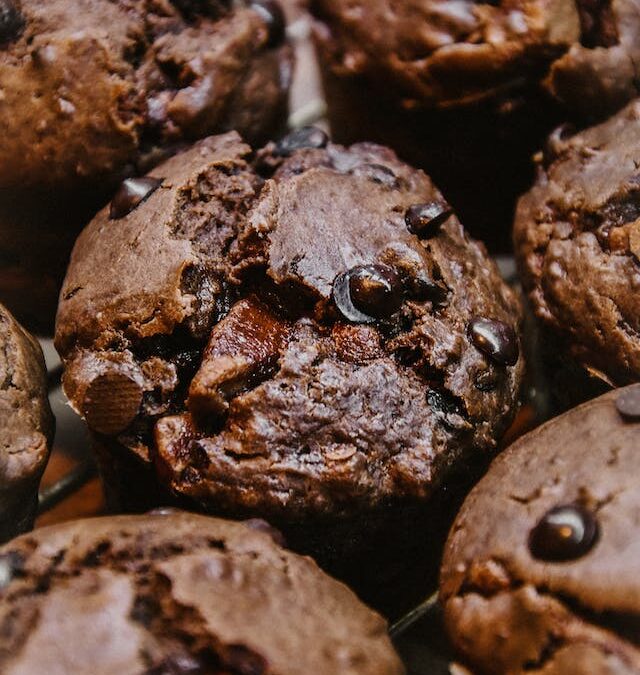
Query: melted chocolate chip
{"x": 131, "y": 193}
{"x": 425, "y": 219}
{"x": 273, "y": 16}
{"x": 300, "y": 139}
{"x": 496, "y": 339}
{"x": 628, "y": 402}
{"x": 564, "y": 533}
{"x": 378, "y": 173}
{"x": 11, "y": 21}
{"x": 367, "y": 292}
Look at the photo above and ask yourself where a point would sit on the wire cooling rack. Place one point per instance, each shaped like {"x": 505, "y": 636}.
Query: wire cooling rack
{"x": 71, "y": 488}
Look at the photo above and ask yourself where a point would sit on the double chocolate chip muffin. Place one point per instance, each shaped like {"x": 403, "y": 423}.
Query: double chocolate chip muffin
{"x": 305, "y": 333}
{"x": 26, "y": 426}
{"x": 577, "y": 239}
{"x": 96, "y": 90}
{"x": 175, "y": 594}
{"x": 468, "y": 90}
{"x": 540, "y": 573}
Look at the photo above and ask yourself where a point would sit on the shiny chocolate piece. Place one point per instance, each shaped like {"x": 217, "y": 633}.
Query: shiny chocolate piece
{"x": 628, "y": 403}
{"x": 11, "y": 21}
{"x": 424, "y": 220}
{"x": 300, "y": 139}
{"x": 564, "y": 533}
{"x": 111, "y": 403}
{"x": 274, "y": 17}
{"x": 367, "y": 293}
{"x": 496, "y": 339}
{"x": 131, "y": 193}
{"x": 378, "y": 173}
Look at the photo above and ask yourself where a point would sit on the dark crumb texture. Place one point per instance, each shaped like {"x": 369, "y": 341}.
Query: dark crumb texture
{"x": 174, "y": 593}
{"x": 540, "y": 573}
{"x": 454, "y": 53}
{"x": 26, "y": 426}
{"x": 269, "y": 337}
{"x": 100, "y": 88}
{"x": 577, "y": 238}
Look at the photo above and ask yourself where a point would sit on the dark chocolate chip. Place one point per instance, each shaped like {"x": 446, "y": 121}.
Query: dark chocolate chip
{"x": 496, "y": 339}
{"x": 301, "y": 139}
{"x": 272, "y": 14}
{"x": 421, "y": 287}
{"x": 242, "y": 660}
{"x": 425, "y": 219}
{"x": 131, "y": 193}
{"x": 564, "y": 533}
{"x": 378, "y": 173}
{"x": 628, "y": 402}
{"x": 111, "y": 403}
{"x": 367, "y": 292}
{"x": 11, "y": 21}
{"x": 11, "y": 565}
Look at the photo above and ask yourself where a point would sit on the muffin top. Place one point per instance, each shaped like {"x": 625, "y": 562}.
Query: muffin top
{"x": 26, "y": 422}
{"x": 309, "y": 329}
{"x": 540, "y": 572}
{"x": 178, "y": 593}
{"x": 95, "y": 89}
{"x": 458, "y": 52}
{"x": 577, "y": 238}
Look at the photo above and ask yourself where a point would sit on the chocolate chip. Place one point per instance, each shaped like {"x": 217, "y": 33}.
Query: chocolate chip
{"x": 421, "y": 287}
{"x": 111, "y": 402}
{"x": 496, "y": 339}
{"x": 131, "y": 193}
{"x": 367, "y": 292}
{"x": 425, "y": 219}
{"x": 242, "y": 660}
{"x": 260, "y": 525}
{"x": 300, "y": 139}
{"x": 564, "y": 533}
{"x": 11, "y": 21}
{"x": 11, "y": 564}
{"x": 272, "y": 14}
{"x": 378, "y": 173}
{"x": 628, "y": 402}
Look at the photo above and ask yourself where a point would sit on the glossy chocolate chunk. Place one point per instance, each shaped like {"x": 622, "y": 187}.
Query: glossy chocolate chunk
{"x": 10, "y": 564}
{"x": 367, "y": 292}
{"x": 273, "y": 16}
{"x": 111, "y": 402}
{"x": 131, "y": 193}
{"x": 378, "y": 173}
{"x": 11, "y": 21}
{"x": 496, "y": 339}
{"x": 306, "y": 137}
{"x": 564, "y": 533}
{"x": 628, "y": 403}
{"x": 425, "y": 219}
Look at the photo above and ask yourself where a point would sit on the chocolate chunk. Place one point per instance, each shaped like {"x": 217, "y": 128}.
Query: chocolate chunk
{"x": 131, "y": 193}
{"x": 300, "y": 139}
{"x": 10, "y": 565}
{"x": 378, "y": 173}
{"x": 243, "y": 349}
{"x": 240, "y": 659}
{"x": 11, "y": 21}
{"x": 367, "y": 292}
{"x": 628, "y": 403}
{"x": 496, "y": 339}
{"x": 425, "y": 219}
{"x": 273, "y": 16}
{"x": 111, "y": 402}
{"x": 564, "y": 533}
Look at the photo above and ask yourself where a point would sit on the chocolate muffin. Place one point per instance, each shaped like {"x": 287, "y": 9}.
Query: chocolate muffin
{"x": 540, "y": 572}
{"x": 306, "y": 334}
{"x": 178, "y": 593}
{"x": 577, "y": 241}
{"x": 97, "y": 90}
{"x": 26, "y": 426}
{"x": 462, "y": 88}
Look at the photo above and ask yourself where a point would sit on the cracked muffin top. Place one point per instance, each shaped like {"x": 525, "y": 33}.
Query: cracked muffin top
{"x": 577, "y": 239}
{"x": 306, "y": 329}
{"x": 540, "y": 573}
{"x": 457, "y": 52}
{"x": 96, "y": 89}
{"x": 178, "y": 593}
{"x": 26, "y": 425}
